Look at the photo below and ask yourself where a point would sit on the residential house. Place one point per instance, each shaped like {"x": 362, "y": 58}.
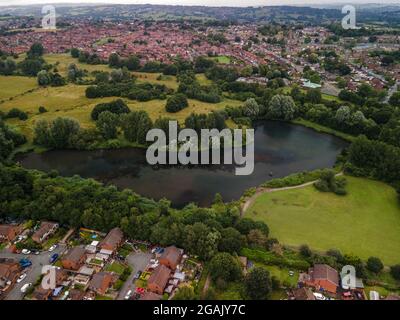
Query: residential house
{"x": 101, "y": 282}
{"x": 171, "y": 257}
{"x": 9, "y": 272}
{"x": 8, "y": 232}
{"x": 321, "y": 277}
{"x": 41, "y": 294}
{"x": 75, "y": 294}
{"x": 74, "y": 258}
{"x": 113, "y": 240}
{"x": 303, "y": 294}
{"x": 159, "y": 279}
{"x": 45, "y": 230}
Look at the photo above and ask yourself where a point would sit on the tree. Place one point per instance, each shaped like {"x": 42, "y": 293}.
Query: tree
{"x": 313, "y": 96}
{"x": 282, "y": 107}
{"x": 107, "y": 124}
{"x": 133, "y": 63}
{"x": 185, "y": 293}
{"x": 56, "y": 134}
{"x": 226, "y": 267}
{"x": 114, "y": 60}
{"x": 258, "y": 284}
{"x": 374, "y": 264}
{"x": 176, "y": 102}
{"x": 231, "y": 241}
{"x": 395, "y": 271}
{"x": 343, "y": 115}
{"x": 75, "y": 53}
{"x": 136, "y": 125}
{"x": 305, "y": 251}
{"x": 7, "y": 66}
{"x": 201, "y": 240}
{"x": 35, "y": 51}
{"x": 395, "y": 99}
{"x": 117, "y": 106}
{"x": 251, "y": 108}
{"x": 257, "y": 238}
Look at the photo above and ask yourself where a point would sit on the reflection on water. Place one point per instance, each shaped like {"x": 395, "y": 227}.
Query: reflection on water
{"x": 280, "y": 148}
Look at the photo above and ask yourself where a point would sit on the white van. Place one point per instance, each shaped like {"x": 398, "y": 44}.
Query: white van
{"x": 25, "y": 287}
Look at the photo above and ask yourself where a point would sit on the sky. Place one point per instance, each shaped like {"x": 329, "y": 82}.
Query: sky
{"x": 238, "y": 3}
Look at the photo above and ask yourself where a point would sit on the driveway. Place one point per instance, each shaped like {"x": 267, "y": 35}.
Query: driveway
{"x": 137, "y": 261}
{"x": 33, "y": 272}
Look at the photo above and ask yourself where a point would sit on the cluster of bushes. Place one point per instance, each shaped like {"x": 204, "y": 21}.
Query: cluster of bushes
{"x": 86, "y": 57}
{"x": 128, "y": 89}
{"x": 15, "y": 113}
{"x": 328, "y": 182}
{"x": 189, "y": 86}
{"x": 117, "y": 107}
{"x": 46, "y": 78}
{"x": 213, "y": 120}
{"x": 176, "y": 103}
{"x": 9, "y": 140}
{"x": 294, "y": 179}
{"x": 7, "y": 66}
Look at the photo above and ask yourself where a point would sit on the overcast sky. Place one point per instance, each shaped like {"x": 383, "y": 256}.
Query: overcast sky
{"x": 200, "y": 2}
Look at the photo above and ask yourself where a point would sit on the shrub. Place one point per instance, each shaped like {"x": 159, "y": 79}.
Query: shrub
{"x": 176, "y": 103}
{"x": 17, "y": 113}
{"x": 374, "y": 264}
{"x": 116, "y": 106}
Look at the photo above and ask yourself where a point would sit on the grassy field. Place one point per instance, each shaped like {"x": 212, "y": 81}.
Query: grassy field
{"x": 366, "y": 222}
{"x": 70, "y": 101}
{"x": 222, "y": 59}
{"x": 12, "y": 86}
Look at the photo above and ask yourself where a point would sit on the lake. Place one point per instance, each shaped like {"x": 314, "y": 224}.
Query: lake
{"x": 280, "y": 149}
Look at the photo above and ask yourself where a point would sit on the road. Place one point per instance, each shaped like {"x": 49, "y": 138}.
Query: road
{"x": 137, "y": 261}
{"x": 33, "y": 272}
{"x": 391, "y": 91}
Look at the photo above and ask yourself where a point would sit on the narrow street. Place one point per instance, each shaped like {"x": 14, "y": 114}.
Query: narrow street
{"x": 137, "y": 261}
{"x": 33, "y": 272}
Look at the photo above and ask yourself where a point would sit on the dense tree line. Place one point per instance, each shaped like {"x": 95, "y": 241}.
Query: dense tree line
{"x": 374, "y": 159}
{"x": 76, "y": 202}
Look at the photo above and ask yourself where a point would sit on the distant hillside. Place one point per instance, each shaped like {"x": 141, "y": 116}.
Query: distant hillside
{"x": 281, "y": 14}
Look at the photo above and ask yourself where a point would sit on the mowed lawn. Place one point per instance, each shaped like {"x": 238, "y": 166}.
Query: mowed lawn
{"x": 366, "y": 222}
{"x": 11, "y": 86}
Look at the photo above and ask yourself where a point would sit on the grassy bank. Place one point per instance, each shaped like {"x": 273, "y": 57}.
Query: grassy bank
{"x": 366, "y": 222}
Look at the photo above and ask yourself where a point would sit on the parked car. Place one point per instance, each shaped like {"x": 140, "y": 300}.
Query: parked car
{"x": 128, "y": 295}
{"x": 25, "y": 263}
{"x": 52, "y": 248}
{"x": 25, "y": 251}
{"x": 53, "y": 258}
{"x": 137, "y": 275}
{"x": 21, "y": 277}
{"x": 319, "y": 296}
{"x": 25, "y": 287}
{"x": 36, "y": 252}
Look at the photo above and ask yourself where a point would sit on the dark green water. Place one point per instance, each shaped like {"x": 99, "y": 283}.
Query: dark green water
{"x": 280, "y": 148}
